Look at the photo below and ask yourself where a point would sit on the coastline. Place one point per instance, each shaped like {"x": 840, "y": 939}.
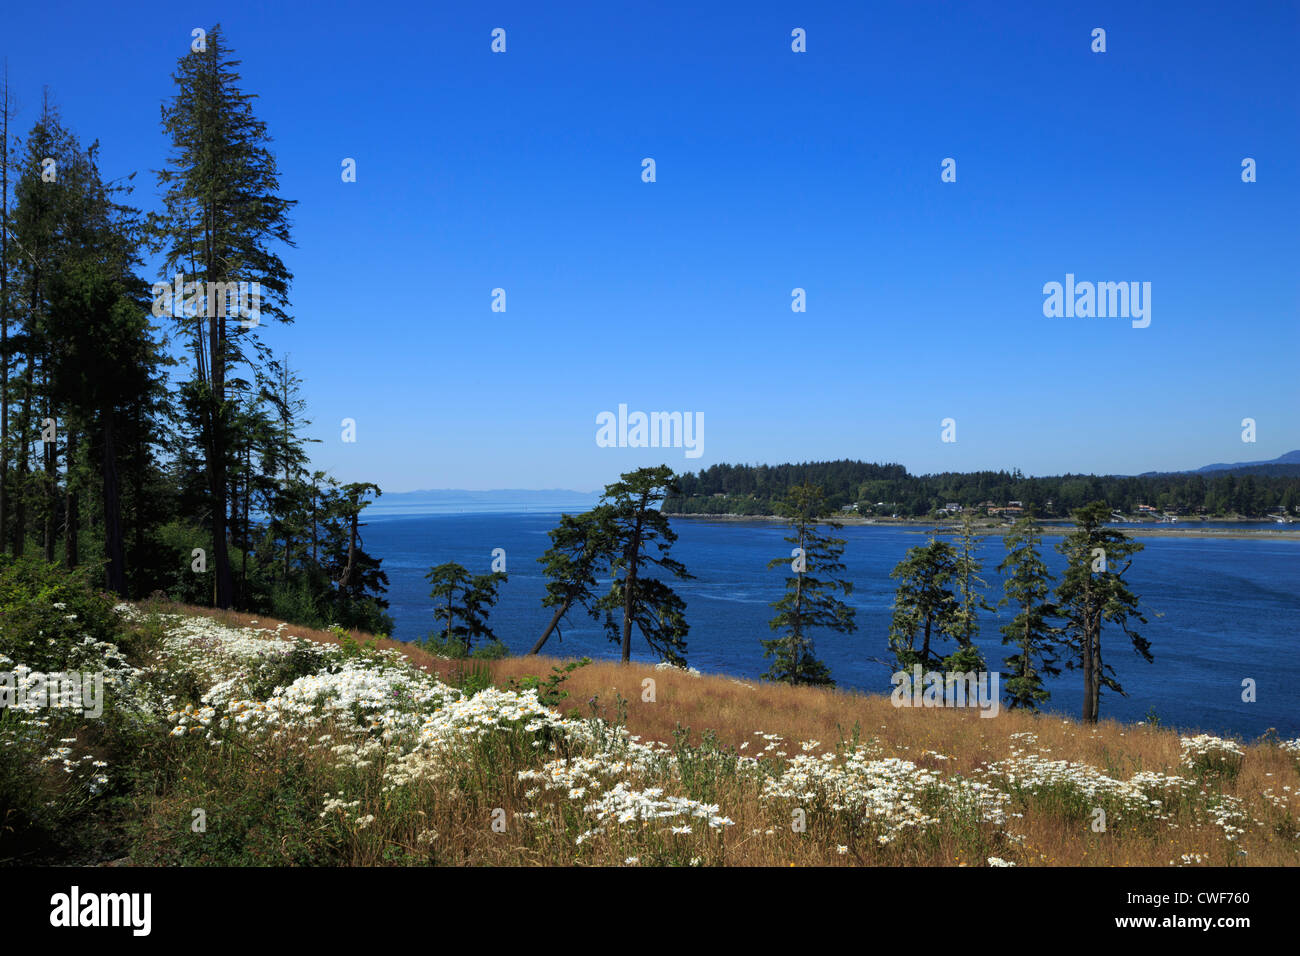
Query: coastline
{"x": 1289, "y": 532}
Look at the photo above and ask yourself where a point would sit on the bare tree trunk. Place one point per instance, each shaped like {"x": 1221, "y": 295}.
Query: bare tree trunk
{"x": 49, "y": 481}
{"x": 248, "y": 491}
{"x": 346, "y": 579}
{"x": 112, "y": 512}
{"x": 141, "y": 455}
{"x": 24, "y": 464}
{"x": 71, "y": 508}
{"x": 795, "y": 650}
{"x": 629, "y": 587}
{"x": 555, "y": 620}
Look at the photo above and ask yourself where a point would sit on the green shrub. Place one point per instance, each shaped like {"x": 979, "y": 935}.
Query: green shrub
{"x": 440, "y": 646}
{"x": 493, "y": 650}
{"x": 46, "y": 611}
{"x": 299, "y": 659}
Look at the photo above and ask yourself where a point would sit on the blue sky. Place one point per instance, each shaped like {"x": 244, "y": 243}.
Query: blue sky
{"x": 775, "y": 170}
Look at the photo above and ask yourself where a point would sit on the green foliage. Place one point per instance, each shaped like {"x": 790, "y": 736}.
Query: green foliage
{"x": 349, "y": 645}
{"x": 462, "y": 601}
{"x": 299, "y": 659}
{"x": 273, "y": 819}
{"x": 809, "y": 601}
{"x": 925, "y": 606}
{"x": 705, "y": 769}
{"x": 549, "y": 692}
{"x": 1028, "y": 585}
{"x": 45, "y": 612}
{"x": 298, "y": 602}
{"x": 472, "y": 678}
{"x": 757, "y": 490}
{"x": 970, "y": 596}
{"x": 493, "y": 650}
{"x": 177, "y": 539}
{"x": 1215, "y": 764}
{"x": 1092, "y": 594}
{"x": 630, "y": 522}
{"x": 580, "y": 546}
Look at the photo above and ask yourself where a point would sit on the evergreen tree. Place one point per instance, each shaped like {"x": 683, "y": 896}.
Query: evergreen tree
{"x": 463, "y": 600}
{"x": 634, "y": 524}
{"x": 360, "y": 580}
{"x": 1093, "y": 593}
{"x": 924, "y": 604}
{"x": 98, "y": 371}
{"x": 1028, "y": 586}
{"x": 222, "y": 213}
{"x": 970, "y": 600}
{"x": 809, "y": 600}
{"x": 580, "y": 546}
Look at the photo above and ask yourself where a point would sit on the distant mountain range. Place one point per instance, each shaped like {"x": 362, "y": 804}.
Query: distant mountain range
{"x": 1288, "y": 464}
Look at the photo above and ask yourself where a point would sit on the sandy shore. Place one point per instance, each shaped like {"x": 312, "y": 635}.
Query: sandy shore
{"x": 1276, "y": 532}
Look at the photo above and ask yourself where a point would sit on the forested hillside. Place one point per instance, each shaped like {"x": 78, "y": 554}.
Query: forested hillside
{"x": 889, "y": 489}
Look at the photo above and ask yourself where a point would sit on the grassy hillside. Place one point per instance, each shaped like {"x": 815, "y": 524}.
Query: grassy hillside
{"x": 230, "y": 740}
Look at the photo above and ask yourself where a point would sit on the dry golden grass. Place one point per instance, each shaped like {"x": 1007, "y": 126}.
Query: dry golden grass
{"x": 736, "y": 710}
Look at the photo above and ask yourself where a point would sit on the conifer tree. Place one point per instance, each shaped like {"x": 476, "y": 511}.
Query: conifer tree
{"x": 462, "y": 600}
{"x": 970, "y": 599}
{"x": 809, "y": 601}
{"x": 99, "y": 369}
{"x": 1028, "y": 586}
{"x": 580, "y": 547}
{"x": 222, "y": 216}
{"x": 635, "y": 600}
{"x": 924, "y": 604}
{"x": 1093, "y": 593}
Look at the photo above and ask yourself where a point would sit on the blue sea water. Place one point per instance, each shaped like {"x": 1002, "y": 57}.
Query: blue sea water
{"x": 1219, "y": 610}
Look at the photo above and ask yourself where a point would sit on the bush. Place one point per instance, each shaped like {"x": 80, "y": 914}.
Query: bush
{"x": 296, "y": 603}
{"x": 300, "y": 659}
{"x": 46, "y": 611}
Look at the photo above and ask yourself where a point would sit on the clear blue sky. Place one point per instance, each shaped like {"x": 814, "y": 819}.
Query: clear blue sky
{"x": 775, "y": 170}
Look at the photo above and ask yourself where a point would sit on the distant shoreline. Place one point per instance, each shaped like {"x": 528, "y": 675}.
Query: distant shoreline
{"x": 1289, "y": 532}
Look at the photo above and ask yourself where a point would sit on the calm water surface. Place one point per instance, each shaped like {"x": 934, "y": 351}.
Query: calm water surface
{"x": 1219, "y": 610}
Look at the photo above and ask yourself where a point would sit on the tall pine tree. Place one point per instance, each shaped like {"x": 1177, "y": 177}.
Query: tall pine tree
{"x": 223, "y": 215}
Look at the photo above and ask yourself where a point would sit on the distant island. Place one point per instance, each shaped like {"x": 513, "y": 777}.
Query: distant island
{"x": 1250, "y": 490}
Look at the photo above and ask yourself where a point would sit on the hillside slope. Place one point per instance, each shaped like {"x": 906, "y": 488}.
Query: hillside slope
{"x": 318, "y": 748}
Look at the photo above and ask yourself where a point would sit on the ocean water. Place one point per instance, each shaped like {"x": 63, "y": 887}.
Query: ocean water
{"x": 1219, "y": 611}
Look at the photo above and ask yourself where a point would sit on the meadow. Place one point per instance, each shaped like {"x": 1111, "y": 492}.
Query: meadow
{"x": 232, "y": 740}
